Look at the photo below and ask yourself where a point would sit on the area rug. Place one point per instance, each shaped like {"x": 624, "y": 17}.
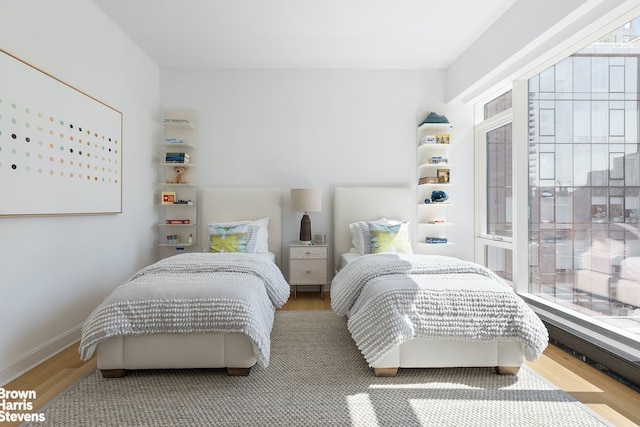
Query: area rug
{"x": 317, "y": 377}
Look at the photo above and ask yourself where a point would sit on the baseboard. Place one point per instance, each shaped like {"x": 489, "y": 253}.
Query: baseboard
{"x": 30, "y": 360}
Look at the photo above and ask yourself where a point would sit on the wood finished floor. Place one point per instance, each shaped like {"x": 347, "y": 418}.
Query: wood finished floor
{"x": 612, "y": 400}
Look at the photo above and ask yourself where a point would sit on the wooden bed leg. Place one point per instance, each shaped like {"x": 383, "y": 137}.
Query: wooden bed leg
{"x": 113, "y": 373}
{"x": 385, "y": 372}
{"x": 238, "y": 372}
{"x": 507, "y": 370}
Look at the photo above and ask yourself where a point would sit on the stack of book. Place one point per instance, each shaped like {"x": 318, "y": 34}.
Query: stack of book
{"x": 436, "y": 240}
{"x": 177, "y": 158}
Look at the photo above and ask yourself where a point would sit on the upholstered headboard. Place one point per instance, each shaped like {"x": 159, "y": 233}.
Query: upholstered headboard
{"x": 351, "y": 204}
{"x": 221, "y": 204}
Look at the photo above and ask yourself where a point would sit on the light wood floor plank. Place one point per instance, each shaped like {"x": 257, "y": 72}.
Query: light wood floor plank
{"x": 610, "y": 399}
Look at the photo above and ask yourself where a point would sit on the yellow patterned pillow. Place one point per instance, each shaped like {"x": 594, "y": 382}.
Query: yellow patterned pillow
{"x": 228, "y": 238}
{"x": 392, "y": 238}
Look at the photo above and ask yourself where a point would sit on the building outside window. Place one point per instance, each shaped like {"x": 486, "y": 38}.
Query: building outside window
{"x": 584, "y": 235}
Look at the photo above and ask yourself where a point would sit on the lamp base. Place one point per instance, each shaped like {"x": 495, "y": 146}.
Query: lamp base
{"x": 305, "y": 228}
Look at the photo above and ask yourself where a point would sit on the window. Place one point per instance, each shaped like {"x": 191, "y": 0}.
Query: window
{"x": 584, "y": 237}
{"x": 494, "y": 136}
{"x": 574, "y": 175}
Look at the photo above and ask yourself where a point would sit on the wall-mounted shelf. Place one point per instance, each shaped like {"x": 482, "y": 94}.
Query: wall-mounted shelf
{"x": 179, "y": 143}
{"x": 434, "y": 173}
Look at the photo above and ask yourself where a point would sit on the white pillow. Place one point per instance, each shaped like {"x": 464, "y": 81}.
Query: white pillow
{"x": 262, "y": 244}
{"x": 258, "y": 240}
{"x": 360, "y": 237}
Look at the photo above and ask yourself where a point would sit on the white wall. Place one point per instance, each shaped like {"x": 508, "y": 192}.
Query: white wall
{"x": 530, "y": 36}
{"x": 55, "y": 270}
{"x": 316, "y": 128}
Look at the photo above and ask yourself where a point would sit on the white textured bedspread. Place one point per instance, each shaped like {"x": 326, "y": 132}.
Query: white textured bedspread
{"x": 193, "y": 293}
{"x": 391, "y": 299}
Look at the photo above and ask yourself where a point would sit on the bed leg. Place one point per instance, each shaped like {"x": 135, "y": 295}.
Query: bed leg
{"x": 385, "y": 372}
{"x": 113, "y": 373}
{"x": 238, "y": 372}
{"x": 507, "y": 370}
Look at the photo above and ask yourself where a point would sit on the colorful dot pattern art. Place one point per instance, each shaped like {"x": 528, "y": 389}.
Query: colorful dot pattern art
{"x": 60, "y": 150}
{"x": 42, "y": 144}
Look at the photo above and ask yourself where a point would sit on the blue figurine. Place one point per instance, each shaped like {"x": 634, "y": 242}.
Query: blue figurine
{"x": 439, "y": 196}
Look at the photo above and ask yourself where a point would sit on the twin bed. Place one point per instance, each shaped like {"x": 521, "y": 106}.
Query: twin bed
{"x": 421, "y": 311}
{"x": 404, "y": 310}
{"x": 199, "y": 310}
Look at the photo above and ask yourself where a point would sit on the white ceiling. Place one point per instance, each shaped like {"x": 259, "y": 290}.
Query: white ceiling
{"x": 338, "y": 34}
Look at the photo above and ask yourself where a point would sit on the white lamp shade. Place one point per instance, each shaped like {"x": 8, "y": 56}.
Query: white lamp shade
{"x": 306, "y": 200}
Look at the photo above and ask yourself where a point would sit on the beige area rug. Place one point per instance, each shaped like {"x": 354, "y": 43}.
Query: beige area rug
{"x": 317, "y": 377}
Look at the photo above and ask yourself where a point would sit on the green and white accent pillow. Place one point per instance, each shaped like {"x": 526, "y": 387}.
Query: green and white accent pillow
{"x": 392, "y": 238}
{"x": 231, "y": 237}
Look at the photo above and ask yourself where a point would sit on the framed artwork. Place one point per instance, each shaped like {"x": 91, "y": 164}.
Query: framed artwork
{"x": 443, "y": 176}
{"x": 60, "y": 149}
{"x": 443, "y": 138}
{"x": 168, "y": 198}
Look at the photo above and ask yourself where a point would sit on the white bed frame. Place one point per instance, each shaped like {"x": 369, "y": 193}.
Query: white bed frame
{"x": 351, "y": 204}
{"x": 233, "y": 351}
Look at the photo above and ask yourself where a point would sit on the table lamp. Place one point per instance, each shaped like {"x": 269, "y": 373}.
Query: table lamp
{"x": 306, "y": 200}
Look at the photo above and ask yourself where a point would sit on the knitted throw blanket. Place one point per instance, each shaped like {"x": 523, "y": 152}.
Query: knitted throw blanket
{"x": 402, "y": 311}
{"x": 193, "y": 293}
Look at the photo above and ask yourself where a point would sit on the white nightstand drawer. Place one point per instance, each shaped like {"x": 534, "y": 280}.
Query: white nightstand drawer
{"x": 308, "y": 272}
{"x": 309, "y": 252}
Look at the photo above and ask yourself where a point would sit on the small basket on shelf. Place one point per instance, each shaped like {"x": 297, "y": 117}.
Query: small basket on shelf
{"x": 428, "y": 180}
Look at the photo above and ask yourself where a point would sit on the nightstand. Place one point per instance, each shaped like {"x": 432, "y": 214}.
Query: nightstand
{"x": 308, "y": 266}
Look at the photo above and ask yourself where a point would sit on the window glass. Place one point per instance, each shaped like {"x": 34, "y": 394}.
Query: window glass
{"x": 500, "y": 261}
{"x": 584, "y": 183}
{"x": 499, "y": 181}
{"x": 498, "y": 105}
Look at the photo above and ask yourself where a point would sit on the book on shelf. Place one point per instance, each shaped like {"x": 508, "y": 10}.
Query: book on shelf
{"x": 436, "y": 240}
{"x": 176, "y": 121}
{"x": 178, "y": 221}
{"x": 177, "y": 158}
